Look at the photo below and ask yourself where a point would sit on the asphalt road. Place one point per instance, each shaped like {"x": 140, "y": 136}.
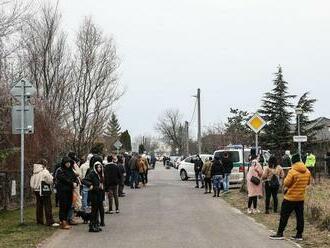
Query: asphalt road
{"x": 170, "y": 213}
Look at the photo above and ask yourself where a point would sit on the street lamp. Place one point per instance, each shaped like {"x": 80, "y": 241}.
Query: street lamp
{"x": 299, "y": 112}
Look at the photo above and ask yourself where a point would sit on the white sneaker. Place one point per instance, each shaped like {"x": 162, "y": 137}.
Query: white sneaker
{"x": 249, "y": 211}
{"x": 55, "y": 225}
{"x": 111, "y": 212}
{"x": 117, "y": 211}
{"x": 256, "y": 211}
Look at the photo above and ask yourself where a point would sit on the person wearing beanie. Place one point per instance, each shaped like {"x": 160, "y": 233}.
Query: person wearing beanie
{"x": 295, "y": 184}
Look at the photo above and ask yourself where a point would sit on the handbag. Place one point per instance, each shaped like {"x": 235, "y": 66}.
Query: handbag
{"x": 255, "y": 180}
{"x": 45, "y": 189}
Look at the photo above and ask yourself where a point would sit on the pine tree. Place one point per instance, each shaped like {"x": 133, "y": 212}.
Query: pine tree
{"x": 113, "y": 127}
{"x": 276, "y": 136}
{"x": 307, "y": 126}
{"x": 125, "y": 139}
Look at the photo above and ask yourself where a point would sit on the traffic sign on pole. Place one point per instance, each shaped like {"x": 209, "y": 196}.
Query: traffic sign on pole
{"x": 299, "y": 139}
{"x": 28, "y": 119}
{"x": 22, "y": 87}
{"x": 256, "y": 123}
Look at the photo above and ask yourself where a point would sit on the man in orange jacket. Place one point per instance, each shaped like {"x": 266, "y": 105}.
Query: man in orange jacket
{"x": 295, "y": 184}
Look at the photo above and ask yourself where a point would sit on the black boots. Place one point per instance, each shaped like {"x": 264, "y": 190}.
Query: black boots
{"x": 94, "y": 228}
{"x": 218, "y": 192}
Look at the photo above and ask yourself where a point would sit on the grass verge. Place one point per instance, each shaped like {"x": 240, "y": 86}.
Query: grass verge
{"x": 28, "y": 235}
{"x": 316, "y": 233}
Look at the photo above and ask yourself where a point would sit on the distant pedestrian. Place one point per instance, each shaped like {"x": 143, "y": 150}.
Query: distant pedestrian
{"x": 40, "y": 183}
{"x": 310, "y": 163}
{"x": 112, "y": 180}
{"x": 142, "y": 168}
{"x": 207, "y": 171}
{"x": 227, "y": 166}
{"x": 286, "y": 159}
{"x": 133, "y": 164}
{"x": 145, "y": 159}
{"x": 217, "y": 173}
{"x": 95, "y": 182}
{"x": 121, "y": 161}
{"x": 295, "y": 184}
{"x": 198, "y": 165}
{"x": 254, "y": 184}
{"x": 66, "y": 181}
{"x": 127, "y": 168}
{"x": 273, "y": 175}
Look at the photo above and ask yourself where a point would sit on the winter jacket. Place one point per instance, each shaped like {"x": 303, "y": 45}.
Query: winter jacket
{"x": 112, "y": 176}
{"x": 85, "y": 166}
{"x": 269, "y": 172}
{"x": 40, "y": 174}
{"x": 310, "y": 160}
{"x": 133, "y": 163}
{"x": 296, "y": 181}
{"x": 198, "y": 165}
{"x": 96, "y": 180}
{"x": 122, "y": 169}
{"x": 286, "y": 161}
{"x": 65, "y": 178}
{"x": 227, "y": 165}
{"x": 207, "y": 168}
{"x": 142, "y": 167}
{"x": 217, "y": 168}
{"x": 254, "y": 170}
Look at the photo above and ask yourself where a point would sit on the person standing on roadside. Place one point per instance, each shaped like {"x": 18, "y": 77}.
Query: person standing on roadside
{"x": 198, "y": 165}
{"x": 310, "y": 163}
{"x": 206, "y": 170}
{"x": 146, "y": 167}
{"x": 254, "y": 184}
{"x": 227, "y": 167}
{"x": 273, "y": 175}
{"x": 40, "y": 183}
{"x": 127, "y": 169}
{"x": 286, "y": 159}
{"x": 142, "y": 170}
{"x": 133, "y": 165}
{"x": 112, "y": 180}
{"x": 217, "y": 176}
{"x": 84, "y": 192}
{"x": 121, "y": 161}
{"x": 66, "y": 181}
{"x": 294, "y": 185}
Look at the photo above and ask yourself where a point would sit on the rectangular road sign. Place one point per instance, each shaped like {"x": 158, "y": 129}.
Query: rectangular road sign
{"x": 28, "y": 119}
{"x": 299, "y": 139}
{"x": 22, "y": 87}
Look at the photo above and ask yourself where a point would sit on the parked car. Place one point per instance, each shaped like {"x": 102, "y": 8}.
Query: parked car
{"x": 186, "y": 167}
{"x": 236, "y": 154}
{"x": 172, "y": 161}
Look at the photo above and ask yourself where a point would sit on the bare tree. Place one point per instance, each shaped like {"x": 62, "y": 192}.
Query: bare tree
{"x": 46, "y": 60}
{"x": 170, "y": 126}
{"x": 95, "y": 85}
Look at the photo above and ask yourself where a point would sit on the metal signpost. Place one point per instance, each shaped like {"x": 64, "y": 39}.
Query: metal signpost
{"x": 22, "y": 122}
{"x": 118, "y": 145}
{"x": 256, "y": 123}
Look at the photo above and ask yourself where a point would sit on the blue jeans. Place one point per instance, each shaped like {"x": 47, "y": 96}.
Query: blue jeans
{"x": 84, "y": 194}
{"x": 134, "y": 178}
{"x": 199, "y": 177}
{"x": 226, "y": 182}
{"x": 217, "y": 181}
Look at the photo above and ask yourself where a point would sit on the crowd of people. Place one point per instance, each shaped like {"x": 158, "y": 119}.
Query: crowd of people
{"x": 263, "y": 181}
{"x": 83, "y": 187}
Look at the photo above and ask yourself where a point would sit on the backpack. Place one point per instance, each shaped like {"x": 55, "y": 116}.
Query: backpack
{"x": 274, "y": 182}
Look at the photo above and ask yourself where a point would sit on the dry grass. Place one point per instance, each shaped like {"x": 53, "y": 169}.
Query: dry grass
{"x": 317, "y": 212}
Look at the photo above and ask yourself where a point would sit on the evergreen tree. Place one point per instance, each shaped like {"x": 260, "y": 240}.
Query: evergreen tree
{"x": 276, "y": 105}
{"x": 307, "y": 126}
{"x": 125, "y": 139}
{"x": 113, "y": 127}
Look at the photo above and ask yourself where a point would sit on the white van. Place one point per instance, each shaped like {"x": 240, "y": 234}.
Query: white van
{"x": 236, "y": 154}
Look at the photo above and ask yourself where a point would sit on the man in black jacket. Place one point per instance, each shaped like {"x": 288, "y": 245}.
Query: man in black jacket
{"x": 198, "y": 165}
{"x": 227, "y": 167}
{"x": 112, "y": 178}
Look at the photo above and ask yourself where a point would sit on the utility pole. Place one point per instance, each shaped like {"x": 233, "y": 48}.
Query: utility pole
{"x": 199, "y": 138}
{"x": 186, "y": 128}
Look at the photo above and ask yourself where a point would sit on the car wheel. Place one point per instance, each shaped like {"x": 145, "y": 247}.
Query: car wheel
{"x": 183, "y": 175}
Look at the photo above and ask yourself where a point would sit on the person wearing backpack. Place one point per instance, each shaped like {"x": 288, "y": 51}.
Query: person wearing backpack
{"x": 273, "y": 175}
{"x": 40, "y": 183}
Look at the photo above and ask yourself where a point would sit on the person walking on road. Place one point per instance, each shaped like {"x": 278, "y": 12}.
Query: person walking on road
{"x": 198, "y": 165}
{"x": 295, "y": 184}
{"x": 273, "y": 175}
{"x": 153, "y": 161}
{"x": 217, "y": 173}
{"x": 227, "y": 166}
{"x": 121, "y": 161}
{"x": 254, "y": 184}
{"x": 95, "y": 182}
{"x": 113, "y": 178}
{"x": 146, "y": 167}
{"x": 142, "y": 170}
{"x": 206, "y": 170}
{"x": 66, "y": 181}
{"x": 40, "y": 183}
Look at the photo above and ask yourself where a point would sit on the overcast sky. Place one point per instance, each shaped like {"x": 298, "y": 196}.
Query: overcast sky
{"x": 228, "y": 48}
